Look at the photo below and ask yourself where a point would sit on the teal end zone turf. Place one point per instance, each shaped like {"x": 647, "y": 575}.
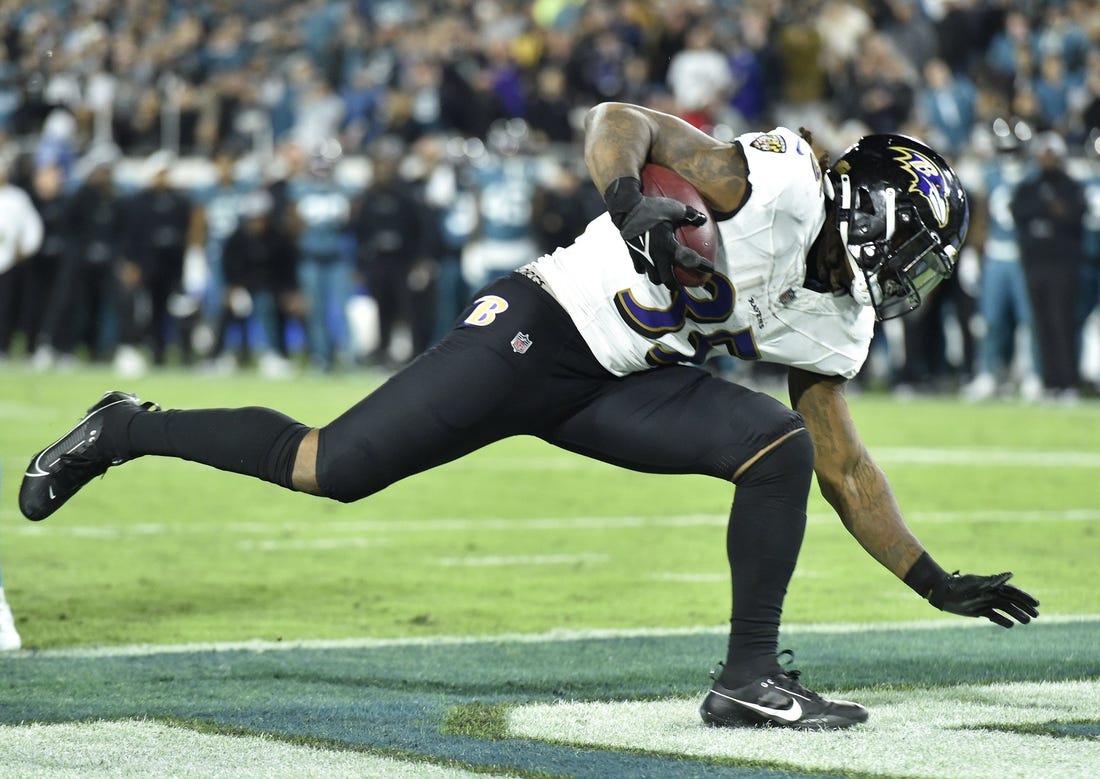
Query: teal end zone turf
{"x": 404, "y": 699}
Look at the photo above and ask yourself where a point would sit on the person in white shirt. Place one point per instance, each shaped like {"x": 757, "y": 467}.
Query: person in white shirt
{"x": 20, "y": 237}
{"x": 699, "y": 75}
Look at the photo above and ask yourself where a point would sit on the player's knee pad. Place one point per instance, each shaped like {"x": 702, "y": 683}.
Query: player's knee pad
{"x": 791, "y": 460}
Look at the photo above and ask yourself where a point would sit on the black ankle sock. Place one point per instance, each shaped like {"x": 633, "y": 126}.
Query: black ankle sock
{"x": 254, "y": 441}
{"x": 767, "y": 522}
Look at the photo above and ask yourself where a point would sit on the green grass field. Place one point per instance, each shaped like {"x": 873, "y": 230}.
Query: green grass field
{"x": 430, "y": 629}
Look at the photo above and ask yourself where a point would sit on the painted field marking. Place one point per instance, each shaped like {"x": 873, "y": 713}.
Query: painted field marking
{"x": 307, "y": 544}
{"x": 463, "y": 525}
{"x": 147, "y": 748}
{"x": 551, "y": 636}
{"x": 504, "y": 560}
{"x": 939, "y": 733}
{"x": 1024, "y": 458}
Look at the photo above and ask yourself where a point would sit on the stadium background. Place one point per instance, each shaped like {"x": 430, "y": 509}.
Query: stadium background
{"x": 479, "y": 104}
{"x": 179, "y": 621}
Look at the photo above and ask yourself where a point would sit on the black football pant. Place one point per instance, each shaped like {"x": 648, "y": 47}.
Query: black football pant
{"x": 476, "y": 387}
{"x": 516, "y": 364}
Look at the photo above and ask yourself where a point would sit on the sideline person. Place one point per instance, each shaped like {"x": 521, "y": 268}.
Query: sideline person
{"x": 596, "y": 348}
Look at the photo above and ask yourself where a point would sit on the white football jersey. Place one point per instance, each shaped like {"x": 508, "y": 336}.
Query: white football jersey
{"x": 755, "y": 307}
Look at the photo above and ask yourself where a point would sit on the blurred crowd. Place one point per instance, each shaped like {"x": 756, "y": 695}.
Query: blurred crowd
{"x": 321, "y": 183}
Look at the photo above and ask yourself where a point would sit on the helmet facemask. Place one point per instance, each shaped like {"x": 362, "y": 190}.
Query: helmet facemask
{"x": 894, "y": 258}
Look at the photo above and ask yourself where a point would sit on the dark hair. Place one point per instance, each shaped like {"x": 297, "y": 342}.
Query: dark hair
{"x": 822, "y": 155}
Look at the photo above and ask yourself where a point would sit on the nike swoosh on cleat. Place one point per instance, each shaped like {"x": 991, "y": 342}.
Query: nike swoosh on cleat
{"x": 36, "y": 469}
{"x": 793, "y": 714}
{"x": 52, "y": 496}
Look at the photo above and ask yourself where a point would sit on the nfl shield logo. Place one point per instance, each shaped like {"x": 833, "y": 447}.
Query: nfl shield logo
{"x": 521, "y": 342}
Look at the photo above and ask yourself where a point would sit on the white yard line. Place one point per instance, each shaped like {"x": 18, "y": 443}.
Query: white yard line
{"x": 484, "y": 561}
{"x": 139, "y": 650}
{"x": 462, "y": 525}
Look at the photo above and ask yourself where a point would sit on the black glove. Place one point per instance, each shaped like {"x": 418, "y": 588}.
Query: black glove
{"x": 984, "y": 596}
{"x": 648, "y": 226}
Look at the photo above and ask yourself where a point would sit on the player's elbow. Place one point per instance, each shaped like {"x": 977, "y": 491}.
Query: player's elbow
{"x": 598, "y": 112}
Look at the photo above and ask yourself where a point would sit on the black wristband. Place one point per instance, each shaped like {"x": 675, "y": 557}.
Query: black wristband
{"x": 924, "y": 575}
{"x": 621, "y": 196}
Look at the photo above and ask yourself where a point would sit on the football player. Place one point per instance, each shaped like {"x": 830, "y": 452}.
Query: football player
{"x": 597, "y": 349}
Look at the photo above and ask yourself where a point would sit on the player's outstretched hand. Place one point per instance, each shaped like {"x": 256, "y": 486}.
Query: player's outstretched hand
{"x": 972, "y": 595}
{"x": 648, "y": 225}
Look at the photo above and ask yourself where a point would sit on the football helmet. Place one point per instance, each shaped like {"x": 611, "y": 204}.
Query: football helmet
{"x": 902, "y": 216}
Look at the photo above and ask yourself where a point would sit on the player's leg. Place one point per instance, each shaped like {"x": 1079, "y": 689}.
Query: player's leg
{"x": 508, "y": 368}
{"x": 255, "y": 441}
{"x": 682, "y": 420}
{"x": 473, "y": 388}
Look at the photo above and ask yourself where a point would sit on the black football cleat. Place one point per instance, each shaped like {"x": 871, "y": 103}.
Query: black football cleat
{"x": 62, "y": 468}
{"x": 777, "y": 700}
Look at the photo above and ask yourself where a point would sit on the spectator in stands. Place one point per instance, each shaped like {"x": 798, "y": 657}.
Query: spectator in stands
{"x": 946, "y": 105}
{"x": 319, "y": 112}
{"x": 549, "y": 112}
{"x": 880, "y": 87}
{"x": 362, "y": 98}
{"x": 44, "y": 312}
{"x": 215, "y": 214}
{"x": 907, "y": 25}
{"x": 20, "y": 238}
{"x": 394, "y": 236}
{"x": 148, "y": 77}
{"x": 290, "y": 307}
{"x": 1061, "y": 32}
{"x": 1052, "y": 91}
{"x": 596, "y": 69}
{"x": 1088, "y": 98}
{"x": 1049, "y": 210}
{"x": 256, "y": 259}
{"x": 1004, "y": 304}
{"x": 1089, "y": 290}
{"x": 96, "y": 227}
{"x": 450, "y": 199}
{"x": 1011, "y": 53}
{"x": 808, "y": 65}
{"x": 158, "y": 222}
{"x": 563, "y": 206}
{"x": 320, "y": 221}
{"x": 699, "y": 76}
{"x": 754, "y": 67}
{"x": 505, "y": 178}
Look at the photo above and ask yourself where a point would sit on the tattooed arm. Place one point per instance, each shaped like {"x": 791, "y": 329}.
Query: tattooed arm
{"x": 848, "y": 477}
{"x": 863, "y": 498}
{"x": 620, "y": 138}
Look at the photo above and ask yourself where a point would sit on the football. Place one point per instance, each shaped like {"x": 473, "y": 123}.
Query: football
{"x": 658, "y": 181}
